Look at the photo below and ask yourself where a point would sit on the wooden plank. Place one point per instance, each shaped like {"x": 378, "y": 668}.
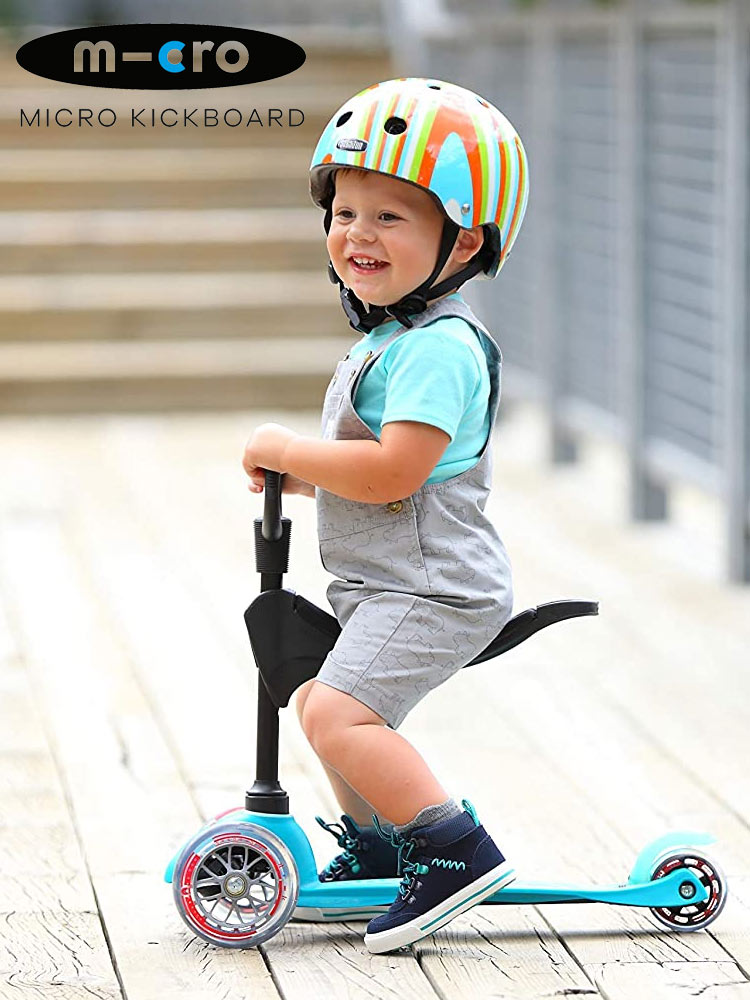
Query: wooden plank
{"x": 42, "y": 950}
{"x": 52, "y": 936}
{"x": 330, "y": 960}
{"x": 494, "y": 951}
{"x": 714, "y": 980}
{"x": 132, "y": 809}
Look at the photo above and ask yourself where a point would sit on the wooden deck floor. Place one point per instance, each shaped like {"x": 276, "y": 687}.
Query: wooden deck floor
{"x": 127, "y": 715}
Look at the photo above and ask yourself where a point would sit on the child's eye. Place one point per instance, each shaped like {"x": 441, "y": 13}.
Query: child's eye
{"x": 388, "y": 215}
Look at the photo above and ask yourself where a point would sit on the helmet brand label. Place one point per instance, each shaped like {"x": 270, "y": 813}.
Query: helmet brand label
{"x": 358, "y": 145}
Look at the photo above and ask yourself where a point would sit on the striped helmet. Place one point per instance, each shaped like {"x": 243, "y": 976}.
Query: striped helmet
{"x": 442, "y": 138}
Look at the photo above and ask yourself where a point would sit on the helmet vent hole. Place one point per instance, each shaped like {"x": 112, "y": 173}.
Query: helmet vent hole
{"x": 395, "y": 126}
{"x": 433, "y": 86}
{"x": 343, "y": 119}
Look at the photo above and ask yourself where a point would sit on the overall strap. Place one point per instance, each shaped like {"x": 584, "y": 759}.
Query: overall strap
{"x": 462, "y": 310}
{"x": 435, "y": 310}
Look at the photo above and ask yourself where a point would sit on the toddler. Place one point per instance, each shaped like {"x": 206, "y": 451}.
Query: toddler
{"x": 424, "y": 185}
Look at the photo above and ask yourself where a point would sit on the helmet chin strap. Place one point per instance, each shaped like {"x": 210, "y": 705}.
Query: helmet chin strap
{"x": 414, "y": 302}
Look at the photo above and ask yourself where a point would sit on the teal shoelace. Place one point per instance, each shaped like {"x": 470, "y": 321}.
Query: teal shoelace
{"x": 343, "y": 840}
{"x": 408, "y": 869}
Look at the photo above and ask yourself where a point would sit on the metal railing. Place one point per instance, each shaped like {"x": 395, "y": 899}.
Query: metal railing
{"x": 624, "y": 308}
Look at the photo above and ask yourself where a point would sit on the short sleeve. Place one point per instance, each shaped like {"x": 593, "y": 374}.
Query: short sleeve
{"x": 431, "y": 377}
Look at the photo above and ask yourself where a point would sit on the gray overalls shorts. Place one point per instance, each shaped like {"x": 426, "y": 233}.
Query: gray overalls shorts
{"x": 424, "y": 582}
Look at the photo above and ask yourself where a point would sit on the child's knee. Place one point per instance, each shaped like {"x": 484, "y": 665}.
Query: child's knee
{"x": 318, "y": 720}
{"x": 328, "y": 714}
{"x": 301, "y": 698}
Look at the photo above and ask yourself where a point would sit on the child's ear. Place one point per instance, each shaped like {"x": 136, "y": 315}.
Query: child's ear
{"x": 468, "y": 242}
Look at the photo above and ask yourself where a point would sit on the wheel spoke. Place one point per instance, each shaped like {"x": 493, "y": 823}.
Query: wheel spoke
{"x": 203, "y": 882}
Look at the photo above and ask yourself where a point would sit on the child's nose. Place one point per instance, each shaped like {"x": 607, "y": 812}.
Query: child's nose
{"x": 360, "y": 231}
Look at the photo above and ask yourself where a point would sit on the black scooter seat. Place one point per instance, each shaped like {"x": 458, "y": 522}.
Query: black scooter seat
{"x": 291, "y": 637}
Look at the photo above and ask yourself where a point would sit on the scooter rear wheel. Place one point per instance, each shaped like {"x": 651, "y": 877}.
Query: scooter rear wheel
{"x": 691, "y": 916}
{"x": 235, "y": 884}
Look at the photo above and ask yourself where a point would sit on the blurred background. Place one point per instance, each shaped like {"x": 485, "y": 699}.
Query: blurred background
{"x": 182, "y": 268}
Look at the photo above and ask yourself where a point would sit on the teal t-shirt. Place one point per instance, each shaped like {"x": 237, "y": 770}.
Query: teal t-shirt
{"x": 435, "y": 374}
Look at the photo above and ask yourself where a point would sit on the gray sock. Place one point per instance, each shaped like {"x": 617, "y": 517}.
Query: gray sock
{"x": 431, "y": 814}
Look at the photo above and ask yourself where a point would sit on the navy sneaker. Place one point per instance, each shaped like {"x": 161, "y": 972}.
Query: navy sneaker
{"x": 365, "y": 854}
{"x": 447, "y": 868}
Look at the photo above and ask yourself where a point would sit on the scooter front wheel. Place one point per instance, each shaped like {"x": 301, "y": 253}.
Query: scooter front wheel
{"x": 235, "y": 884}
{"x": 691, "y": 916}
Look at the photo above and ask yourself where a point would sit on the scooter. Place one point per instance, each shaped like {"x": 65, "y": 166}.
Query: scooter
{"x": 249, "y": 870}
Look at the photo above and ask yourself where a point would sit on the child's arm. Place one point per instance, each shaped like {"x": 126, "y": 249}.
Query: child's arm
{"x": 367, "y": 471}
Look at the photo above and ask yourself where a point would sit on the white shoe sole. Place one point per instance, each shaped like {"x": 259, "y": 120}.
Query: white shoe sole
{"x": 443, "y": 913}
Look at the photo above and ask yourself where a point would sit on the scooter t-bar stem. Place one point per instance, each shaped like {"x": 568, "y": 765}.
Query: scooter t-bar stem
{"x": 272, "y": 535}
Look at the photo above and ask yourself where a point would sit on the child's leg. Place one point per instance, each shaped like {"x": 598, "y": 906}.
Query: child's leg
{"x": 383, "y": 767}
{"x": 350, "y": 801}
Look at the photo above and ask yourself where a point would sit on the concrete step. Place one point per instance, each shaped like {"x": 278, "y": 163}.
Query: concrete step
{"x": 162, "y": 240}
{"x": 70, "y": 377}
{"x": 168, "y": 305}
{"x": 140, "y": 178}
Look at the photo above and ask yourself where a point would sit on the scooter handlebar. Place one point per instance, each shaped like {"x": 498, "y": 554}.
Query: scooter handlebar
{"x": 271, "y": 528}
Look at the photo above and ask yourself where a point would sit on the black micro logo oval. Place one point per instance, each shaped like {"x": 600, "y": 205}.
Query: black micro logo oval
{"x": 161, "y": 56}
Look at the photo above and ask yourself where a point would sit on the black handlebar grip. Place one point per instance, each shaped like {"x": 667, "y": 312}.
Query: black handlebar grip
{"x": 272, "y": 507}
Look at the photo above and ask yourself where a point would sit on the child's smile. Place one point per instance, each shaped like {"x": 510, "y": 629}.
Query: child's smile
{"x": 365, "y": 264}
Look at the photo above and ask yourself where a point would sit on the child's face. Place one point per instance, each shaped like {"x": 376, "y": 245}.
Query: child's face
{"x": 384, "y": 219}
